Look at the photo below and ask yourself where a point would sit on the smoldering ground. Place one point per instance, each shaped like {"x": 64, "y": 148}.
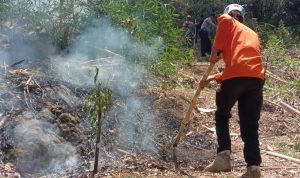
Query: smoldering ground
{"x": 101, "y": 46}
{"x": 40, "y": 149}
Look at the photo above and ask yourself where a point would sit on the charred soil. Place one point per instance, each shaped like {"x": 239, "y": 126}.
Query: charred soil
{"x": 34, "y": 104}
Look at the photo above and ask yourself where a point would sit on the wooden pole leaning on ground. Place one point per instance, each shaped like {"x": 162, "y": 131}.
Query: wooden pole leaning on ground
{"x": 186, "y": 119}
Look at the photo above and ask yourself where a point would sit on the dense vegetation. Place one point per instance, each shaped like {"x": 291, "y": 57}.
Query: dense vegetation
{"x": 62, "y": 20}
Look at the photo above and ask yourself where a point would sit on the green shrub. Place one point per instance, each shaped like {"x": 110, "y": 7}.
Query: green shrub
{"x": 297, "y": 84}
{"x": 274, "y": 50}
{"x": 146, "y": 20}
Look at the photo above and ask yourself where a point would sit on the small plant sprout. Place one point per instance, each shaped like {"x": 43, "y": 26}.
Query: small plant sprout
{"x": 95, "y": 105}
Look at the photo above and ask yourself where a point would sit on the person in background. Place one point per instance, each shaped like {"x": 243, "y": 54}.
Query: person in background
{"x": 189, "y": 32}
{"x": 198, "y": 27}
{"x": 206, "y": 28}
{"x": 241, "y": 81}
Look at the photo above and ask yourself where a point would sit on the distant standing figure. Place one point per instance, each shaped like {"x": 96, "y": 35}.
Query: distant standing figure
{"x": 198, "y": 27}
{"x": 189, "y": 28}
{"x": 205, "y": 30}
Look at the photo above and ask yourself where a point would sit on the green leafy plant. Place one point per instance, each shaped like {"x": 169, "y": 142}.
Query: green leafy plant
{"x": 274, "y": 48}
{"x": 95, "y": 105}
{"x": 297, "y": 84}
{"x": 284, "y": 149}
{"x": 276, "y": 44}
{"x": 297, "y": 146}
{"x": 289, "y": 150}
{"x": 284, "y": 33}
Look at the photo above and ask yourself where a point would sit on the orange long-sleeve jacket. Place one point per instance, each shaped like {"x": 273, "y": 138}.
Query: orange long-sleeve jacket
{"x": 240, "y": 47}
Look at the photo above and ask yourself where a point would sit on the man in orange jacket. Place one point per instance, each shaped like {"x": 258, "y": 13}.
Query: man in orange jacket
{"x": 241, "y": 81}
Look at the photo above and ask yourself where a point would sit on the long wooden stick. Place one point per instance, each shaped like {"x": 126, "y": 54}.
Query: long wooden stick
{"x": 186, "y": 120}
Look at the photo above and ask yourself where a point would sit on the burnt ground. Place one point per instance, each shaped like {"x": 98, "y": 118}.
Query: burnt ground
{"x": 52, "y": 109}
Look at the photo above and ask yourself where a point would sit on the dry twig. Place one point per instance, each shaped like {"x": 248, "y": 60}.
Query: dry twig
{"x": 273, "y": 76}
{"x": 26, "y": 92}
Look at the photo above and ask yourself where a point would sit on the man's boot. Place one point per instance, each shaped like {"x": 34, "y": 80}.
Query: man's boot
{"x": 252, "y": 172}
{"x": 222, "y": 163}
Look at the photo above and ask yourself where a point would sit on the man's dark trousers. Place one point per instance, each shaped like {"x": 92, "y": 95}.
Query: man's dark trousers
{"x": 205, "y": 43}
{"x": 248, "y": 91}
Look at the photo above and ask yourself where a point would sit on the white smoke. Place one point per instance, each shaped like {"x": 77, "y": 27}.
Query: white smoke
{"x": 100, "y": 46}
{"x": 41, "y": 150}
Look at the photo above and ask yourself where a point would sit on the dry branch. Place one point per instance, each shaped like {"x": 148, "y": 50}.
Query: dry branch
{"x": 283, "y": 156}
{"x": 2, "y": 121}
{"x": 273, "y": 76}
{"x": 26, "y": 100}
{"x": 126, "y": 152}
{"x": 16, "y": 63}
{"x": 289, "y": 108}
{"x": 28, "y": 81}
{"x": 26, "y": 91}
{"x": 285, "y": 106}
{"x": 210, "y": 129}
{"x": 276, "y": 167}
{"x": 271, "y": 102}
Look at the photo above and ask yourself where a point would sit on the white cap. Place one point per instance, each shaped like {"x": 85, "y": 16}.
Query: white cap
{"x": 232, "y": 7}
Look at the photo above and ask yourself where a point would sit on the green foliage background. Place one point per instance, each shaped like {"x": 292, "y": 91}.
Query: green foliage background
{"x": 276, "y": 21}
{"x": 145, "y": 20}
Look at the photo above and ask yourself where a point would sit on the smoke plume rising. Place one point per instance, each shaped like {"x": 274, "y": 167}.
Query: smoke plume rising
{"x": 41, "y": 149}
{"x": 100, "y": 46}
